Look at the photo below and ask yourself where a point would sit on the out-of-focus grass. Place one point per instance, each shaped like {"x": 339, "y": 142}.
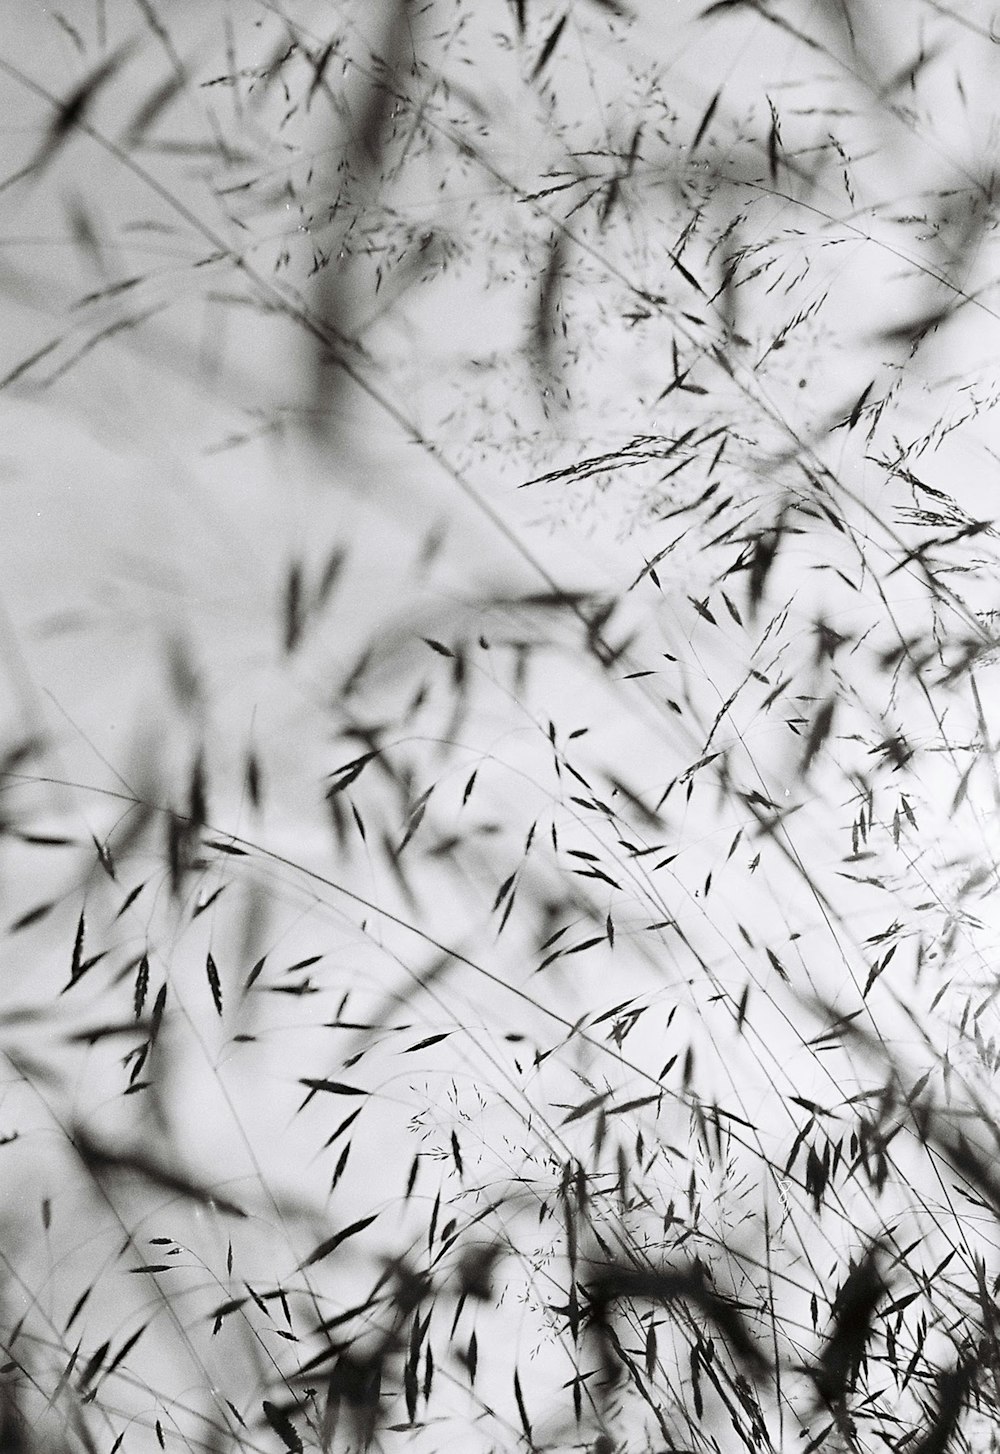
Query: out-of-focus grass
{"x": 499, "y": 796}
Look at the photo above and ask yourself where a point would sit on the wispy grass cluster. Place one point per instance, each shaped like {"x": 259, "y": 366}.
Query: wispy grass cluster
{"x": 498, "y": 785}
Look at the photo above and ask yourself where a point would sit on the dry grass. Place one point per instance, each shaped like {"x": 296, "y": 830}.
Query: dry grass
{"x": 499, "y": 798}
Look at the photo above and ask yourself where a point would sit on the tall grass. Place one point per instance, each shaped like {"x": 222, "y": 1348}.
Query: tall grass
{"x": 499, "y": 791}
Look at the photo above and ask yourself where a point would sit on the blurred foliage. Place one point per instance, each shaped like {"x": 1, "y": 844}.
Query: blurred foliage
{"x": 498, "y": 792}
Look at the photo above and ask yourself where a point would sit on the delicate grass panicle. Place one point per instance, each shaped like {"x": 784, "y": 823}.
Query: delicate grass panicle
{"x": 498, "y": 777}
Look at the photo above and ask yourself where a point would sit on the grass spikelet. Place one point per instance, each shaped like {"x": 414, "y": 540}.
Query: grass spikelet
{"x": 214, "y": 982}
